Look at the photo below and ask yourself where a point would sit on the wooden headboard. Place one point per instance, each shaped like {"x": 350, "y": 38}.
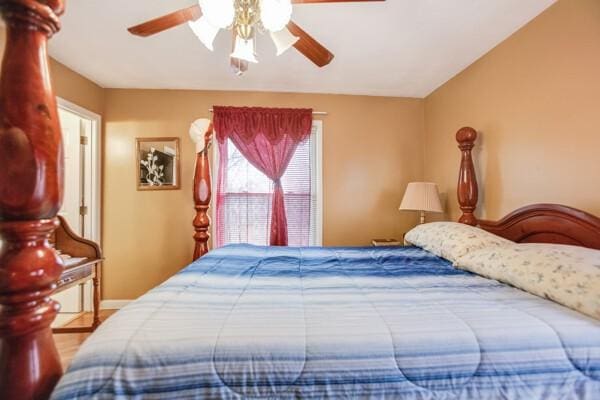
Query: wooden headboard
{"x": 536, "y": 223}
{"x": 548, "y": 223}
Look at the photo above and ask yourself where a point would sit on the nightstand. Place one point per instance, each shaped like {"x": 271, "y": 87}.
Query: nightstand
{"x": 386, "y": 242}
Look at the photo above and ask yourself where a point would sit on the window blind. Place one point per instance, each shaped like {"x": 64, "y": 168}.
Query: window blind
{"x": 244, "y": 211}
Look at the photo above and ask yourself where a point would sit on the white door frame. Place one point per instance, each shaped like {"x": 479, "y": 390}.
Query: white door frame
{"x": 93, "y": 190}
{"x": 93, "y": 164}
{"x": 317, "y": 179}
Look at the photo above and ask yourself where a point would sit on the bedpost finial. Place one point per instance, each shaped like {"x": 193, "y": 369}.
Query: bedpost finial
{"x": 39, "y": 14}
{"x": 208, "y": 136}
{"x": 30, "y": 196}
{"x": 466, "y": 137}
{"x": 467, "y": 189}
{"x": 202, "y": 131}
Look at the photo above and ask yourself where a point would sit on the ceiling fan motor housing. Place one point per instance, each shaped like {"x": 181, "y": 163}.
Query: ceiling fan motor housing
{"x": 247, "y": 17}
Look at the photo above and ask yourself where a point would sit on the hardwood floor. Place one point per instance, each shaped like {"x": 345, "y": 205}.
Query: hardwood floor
{"x": 68, "y": 343}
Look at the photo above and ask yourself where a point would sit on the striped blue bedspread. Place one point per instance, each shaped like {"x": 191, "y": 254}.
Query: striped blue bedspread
{"x": 289, "y": 323}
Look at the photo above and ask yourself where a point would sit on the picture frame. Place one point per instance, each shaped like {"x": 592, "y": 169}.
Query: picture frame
{"x": 158, "y": 163}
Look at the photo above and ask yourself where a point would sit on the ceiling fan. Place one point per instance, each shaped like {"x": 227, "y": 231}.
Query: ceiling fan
{"x": 245, "y": 19}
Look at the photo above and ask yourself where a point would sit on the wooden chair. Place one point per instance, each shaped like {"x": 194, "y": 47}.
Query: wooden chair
{"x": 79, "y": 273}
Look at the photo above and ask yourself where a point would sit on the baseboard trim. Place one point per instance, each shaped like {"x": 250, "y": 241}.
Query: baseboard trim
{"x": 113, "y": 304}
{"x": 63, "y": 319}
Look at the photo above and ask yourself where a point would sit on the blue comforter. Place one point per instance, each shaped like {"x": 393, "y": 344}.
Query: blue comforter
{"x": 288, "y": 323}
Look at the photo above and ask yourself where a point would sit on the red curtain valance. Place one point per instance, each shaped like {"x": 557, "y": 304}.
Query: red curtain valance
{"x": 272, "y": 123}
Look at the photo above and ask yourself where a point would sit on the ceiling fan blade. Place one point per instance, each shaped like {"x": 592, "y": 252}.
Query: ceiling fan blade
{"x": 308, "y": 46}
{"x": 167, "y": 21}
{"x": 330, "y": 1}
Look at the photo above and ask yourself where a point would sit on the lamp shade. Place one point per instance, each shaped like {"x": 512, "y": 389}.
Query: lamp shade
{"x": 275, "y": 14}
{"x": 220, "y": 13}
{"x": 421, "y": 196}
{"x": 204, "y": 31}
{"x": 283, "y": 40}
{"x": 244, "y": 50}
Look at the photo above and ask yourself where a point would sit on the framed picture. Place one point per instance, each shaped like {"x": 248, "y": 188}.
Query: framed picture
{"x": 157, "y": 165}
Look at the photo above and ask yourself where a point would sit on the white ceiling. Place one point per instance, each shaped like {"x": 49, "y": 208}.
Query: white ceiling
{"x": 397, "y": 48}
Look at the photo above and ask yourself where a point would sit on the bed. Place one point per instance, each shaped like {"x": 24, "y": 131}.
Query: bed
{"x": 264, "y": 322}
{"x": 395, "y": 322}
{"x": 288, "y": 323}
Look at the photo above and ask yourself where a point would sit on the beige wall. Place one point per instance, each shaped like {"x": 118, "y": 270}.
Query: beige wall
{"x": 70, "y": 85}
{"x": 371, "y": 148}
{"x": 75, "y": 88}
{"x": 535, "y": 99}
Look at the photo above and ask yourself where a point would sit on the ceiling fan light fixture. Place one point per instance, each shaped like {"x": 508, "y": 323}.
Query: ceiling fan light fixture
{"x": 205, "y": 31}
{"x": 220, "y": 13}
{"x": 275, "y": 14}
{"x": 244, "y": 50}
{"x": 283, "y": 40}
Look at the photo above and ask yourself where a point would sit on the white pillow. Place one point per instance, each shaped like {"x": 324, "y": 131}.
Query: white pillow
{"x": 452, "y": 240}
{"x": 568, "y": 275}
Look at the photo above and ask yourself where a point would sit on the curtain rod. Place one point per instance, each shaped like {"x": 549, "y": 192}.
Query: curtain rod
{"x": 314, "y": 112}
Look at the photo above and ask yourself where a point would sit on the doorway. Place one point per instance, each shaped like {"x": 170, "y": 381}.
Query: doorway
{"x": 81, "y": 199}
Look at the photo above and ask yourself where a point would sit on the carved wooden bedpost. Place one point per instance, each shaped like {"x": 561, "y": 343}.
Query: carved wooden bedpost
{"x": 202, "y": 193}
{"x": 467, "y": 180}
{"x": 31, "y": 181}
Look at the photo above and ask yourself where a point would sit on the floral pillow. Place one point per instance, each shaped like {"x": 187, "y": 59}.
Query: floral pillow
{"x": 452, "y": 240}
{"x": 568, "y": 275}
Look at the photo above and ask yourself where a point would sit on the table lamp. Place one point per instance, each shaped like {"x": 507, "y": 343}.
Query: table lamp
{"x": 423, "y": 197}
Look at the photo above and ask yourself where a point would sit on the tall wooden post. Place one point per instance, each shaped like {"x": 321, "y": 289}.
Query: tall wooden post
{"x": 467, "y": 179}
{"x": 31, "y": 181}
{"x": 202, "y": 195}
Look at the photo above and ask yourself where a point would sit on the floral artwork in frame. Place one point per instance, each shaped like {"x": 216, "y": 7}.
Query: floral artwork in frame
{"x": 158, "y": 163}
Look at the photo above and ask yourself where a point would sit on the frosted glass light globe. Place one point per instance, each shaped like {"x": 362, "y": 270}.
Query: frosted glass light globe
{"x": 275, "y": 14}
{"x": 244, "y": 50}
{"x": 220, "y": 13}
{"x": 205, "y": 31}
{"x": 283, "y": 40}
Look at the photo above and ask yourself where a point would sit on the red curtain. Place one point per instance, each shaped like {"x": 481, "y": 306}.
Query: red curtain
{"x": 267, "y": 138}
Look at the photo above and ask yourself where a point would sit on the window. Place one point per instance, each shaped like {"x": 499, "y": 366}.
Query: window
{"x": 244, "y": 206}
